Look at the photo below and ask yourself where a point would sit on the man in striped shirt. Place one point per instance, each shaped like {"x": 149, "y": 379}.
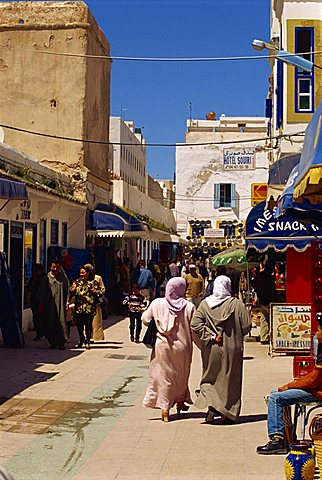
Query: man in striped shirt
{"x": 136, "y": 304}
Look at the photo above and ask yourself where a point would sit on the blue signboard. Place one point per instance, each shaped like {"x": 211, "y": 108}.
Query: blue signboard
{"x": 264, "y": 230}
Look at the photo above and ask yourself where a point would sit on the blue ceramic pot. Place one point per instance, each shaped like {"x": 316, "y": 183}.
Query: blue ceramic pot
{"x": 299, "y": 463}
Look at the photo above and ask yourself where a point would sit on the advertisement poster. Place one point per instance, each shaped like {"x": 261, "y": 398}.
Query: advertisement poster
{"x": 290, "y": 328}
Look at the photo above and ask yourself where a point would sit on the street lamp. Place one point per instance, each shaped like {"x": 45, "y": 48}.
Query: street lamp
{"x": 284, "y": 56}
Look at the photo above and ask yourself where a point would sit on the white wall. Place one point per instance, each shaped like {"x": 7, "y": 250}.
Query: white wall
{"x": 130, "y": 197}
{"x": 198, "y": 168}
{"x": 129, "y": 162}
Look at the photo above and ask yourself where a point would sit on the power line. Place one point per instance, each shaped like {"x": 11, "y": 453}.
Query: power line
{"x": 102, "y": 142}
{"x": 158, "y": 59}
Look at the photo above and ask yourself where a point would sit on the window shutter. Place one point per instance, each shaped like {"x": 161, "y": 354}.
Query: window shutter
{"x": 216, "y": 195}
{"x": 233, "y": 195}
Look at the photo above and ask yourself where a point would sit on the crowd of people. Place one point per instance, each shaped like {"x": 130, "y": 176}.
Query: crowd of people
{"x": 57, "y": 305}
{"x": 189, "y": 303}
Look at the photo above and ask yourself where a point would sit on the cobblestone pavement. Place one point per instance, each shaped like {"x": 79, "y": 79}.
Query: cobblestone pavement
{"x": 77, "y": 414}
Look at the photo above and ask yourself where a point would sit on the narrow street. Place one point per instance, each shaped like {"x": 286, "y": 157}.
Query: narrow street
{"x": 77, "y": 414}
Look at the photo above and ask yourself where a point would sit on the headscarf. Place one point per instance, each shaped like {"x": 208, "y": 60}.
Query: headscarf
{"x": 174, "y": 293}
{"x": 221, "y": 291}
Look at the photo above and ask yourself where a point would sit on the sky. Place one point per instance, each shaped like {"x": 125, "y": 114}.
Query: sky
{"x": 156, "y": 96}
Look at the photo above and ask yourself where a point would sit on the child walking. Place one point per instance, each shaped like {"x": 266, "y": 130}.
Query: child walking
{"x": 136, "y": 304}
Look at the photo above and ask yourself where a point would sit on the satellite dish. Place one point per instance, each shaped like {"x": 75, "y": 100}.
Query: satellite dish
{"x": 1, "y": 135}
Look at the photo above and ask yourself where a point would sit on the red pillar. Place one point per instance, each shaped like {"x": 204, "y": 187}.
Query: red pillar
{"x": 299, "y": 276}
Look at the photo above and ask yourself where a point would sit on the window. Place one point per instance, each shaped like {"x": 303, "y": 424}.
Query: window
{"x": 54, "y": 232}
{"x": 229, "y": 229}
{"x": 304, "y": 87}
{"x": 224, "y": 195}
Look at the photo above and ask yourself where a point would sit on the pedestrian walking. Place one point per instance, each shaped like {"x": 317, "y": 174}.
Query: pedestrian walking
{"x": 136, "y": 305}
{"x": 203, "y": 270}
{"x": 221, "y": 322}
{"x": 97, "y": 324}
{"x": 173, "y": 269}
{"x": 145, "y": 282}
{"x": 307, "y": 389}
{"x": 171, "y": 355}
{"x": 52, "y": 297}
{"x": 264, "y": 286}
{"x": 87, "y": 294}
{"x": 195, "y": 286}
{"x": 221, "y": 270}
{"x": 33, "y": 286}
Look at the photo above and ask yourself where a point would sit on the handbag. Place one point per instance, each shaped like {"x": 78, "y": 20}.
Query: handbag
{"x": 150, "y": 334}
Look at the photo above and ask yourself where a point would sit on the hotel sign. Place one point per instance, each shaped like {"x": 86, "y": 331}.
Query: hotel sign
{"x": 239, "y": 159}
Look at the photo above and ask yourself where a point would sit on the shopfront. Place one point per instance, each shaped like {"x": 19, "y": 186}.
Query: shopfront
{"x": 31, "y": 225}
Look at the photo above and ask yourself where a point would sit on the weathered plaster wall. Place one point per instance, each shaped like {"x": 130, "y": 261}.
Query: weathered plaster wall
{"x": 51, "y": 93}
{"x": 198, "y": 168}
{"x": 97, "y": 100}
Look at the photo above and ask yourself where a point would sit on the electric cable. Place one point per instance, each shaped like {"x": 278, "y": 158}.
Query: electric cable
{"x": 102, "y": 142}
{"x": 160, "y": 59}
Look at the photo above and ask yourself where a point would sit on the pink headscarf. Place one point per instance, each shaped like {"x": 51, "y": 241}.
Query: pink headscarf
{"x": 174, "y": 294}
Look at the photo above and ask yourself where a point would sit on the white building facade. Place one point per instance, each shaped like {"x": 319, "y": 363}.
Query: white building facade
{"x": 220, "y": 164}
{"x": 295, "y": 94}
{"x": 38, "y": 229}
{"x": 129, "y": 152}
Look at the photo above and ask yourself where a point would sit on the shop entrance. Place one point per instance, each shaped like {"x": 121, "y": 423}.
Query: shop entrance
{"x": 16, "y": 259}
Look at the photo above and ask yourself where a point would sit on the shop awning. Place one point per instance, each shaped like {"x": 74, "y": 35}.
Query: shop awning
{"x": 305, "y": 212}
{"x": 278, "y": 175}
{"x": 308, "y": 185}
{"x": 111, "y": 218}
{"x": 264, "y": 230}
{"x": 116, "y": 234}
{"x": 111, "y": 221}
{"x": 11, "y": 190}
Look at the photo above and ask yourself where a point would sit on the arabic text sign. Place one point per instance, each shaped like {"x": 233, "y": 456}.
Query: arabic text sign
{"x": 239, "y": 159}
{"x": 291, "y": 327}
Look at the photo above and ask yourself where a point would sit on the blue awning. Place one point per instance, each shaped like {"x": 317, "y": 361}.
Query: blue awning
{"x": 110, "y": 217}
{"x": 304, "y": 211}
{"x": 264, "y": 230}
{"x": 11, "y": 190}
{"x": 280, "y": 170}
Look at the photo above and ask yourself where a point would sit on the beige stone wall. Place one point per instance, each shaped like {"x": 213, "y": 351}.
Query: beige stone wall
{"x": 153, "y": 189}
{"x": 59, "y": 95}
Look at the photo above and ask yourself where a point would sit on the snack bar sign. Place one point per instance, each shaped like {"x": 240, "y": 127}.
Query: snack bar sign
{"x": 239, "y": 159}
{"x": 291, "y": 327}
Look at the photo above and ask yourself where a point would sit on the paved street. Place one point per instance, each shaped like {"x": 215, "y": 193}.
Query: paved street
{"x": 77, "y": 415}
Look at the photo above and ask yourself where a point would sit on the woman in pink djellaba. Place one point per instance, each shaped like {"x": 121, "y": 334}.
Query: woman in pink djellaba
{"x": 171, "y": 355}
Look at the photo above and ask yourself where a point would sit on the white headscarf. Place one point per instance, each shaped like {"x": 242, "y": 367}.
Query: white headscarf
{"x": 221, "y": 291}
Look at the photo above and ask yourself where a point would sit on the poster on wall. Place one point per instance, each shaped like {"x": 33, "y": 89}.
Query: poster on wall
{"x": 290, "y": 328}
{"x": 239, "y": 159}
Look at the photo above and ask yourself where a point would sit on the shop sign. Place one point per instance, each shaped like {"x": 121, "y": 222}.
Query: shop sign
{"x": 239, "y": 159}
{"x": 290, "y": 327}
{"x": 25, "y": 211}
{"x": 182, "y": 226}
{"x": 268, "y": 223}
{"x": 214, "y": 233}
{"x": 259, "y": 193}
